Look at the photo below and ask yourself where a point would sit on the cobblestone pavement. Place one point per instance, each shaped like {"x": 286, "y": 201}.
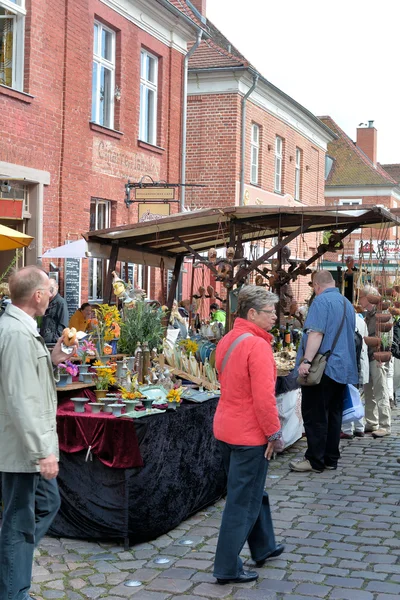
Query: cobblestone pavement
{"x": 341, "y": 530}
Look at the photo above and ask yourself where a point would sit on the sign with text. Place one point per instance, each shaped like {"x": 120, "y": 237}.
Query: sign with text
{"x": 154, "y": 193}
{"x": 72, "y": 287}
{"x": 377, "y": 249}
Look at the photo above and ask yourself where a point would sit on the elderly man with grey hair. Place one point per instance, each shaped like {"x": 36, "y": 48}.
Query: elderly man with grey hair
{"x": 376, "y": 391}
{"x": 28, "y": 435}
{"x": 247, "y": 426}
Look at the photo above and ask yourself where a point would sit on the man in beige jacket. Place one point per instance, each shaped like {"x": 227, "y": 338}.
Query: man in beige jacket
{"x": 28, "y": 436}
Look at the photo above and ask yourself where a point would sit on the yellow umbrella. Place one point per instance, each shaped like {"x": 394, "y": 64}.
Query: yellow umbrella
{"x": 10, "y": 239}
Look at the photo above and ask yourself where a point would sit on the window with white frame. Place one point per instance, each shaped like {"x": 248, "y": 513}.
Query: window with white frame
{"x": 351, "y": 202}
{"x": 297, "y": 175}
{"x": 103, "y": 75}
{"x": 12, "y": 30}
{"x": 148, "y": 97}
{"x": 255, "y": 151}
{"x": 278, "y": 163}
{"x": 100, "y": 218}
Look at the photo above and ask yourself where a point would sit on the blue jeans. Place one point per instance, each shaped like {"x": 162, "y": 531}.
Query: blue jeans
{"x": 247, "y": 515}
{"x": 30, "y": 505}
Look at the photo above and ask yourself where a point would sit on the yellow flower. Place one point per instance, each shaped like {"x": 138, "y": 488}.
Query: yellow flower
{"x": 174, "y": 396}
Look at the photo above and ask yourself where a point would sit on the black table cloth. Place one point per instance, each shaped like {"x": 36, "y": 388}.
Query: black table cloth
{"x": 182, "y": 473}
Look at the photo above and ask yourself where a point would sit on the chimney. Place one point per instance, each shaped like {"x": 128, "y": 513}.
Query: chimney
{"x": 200, "y": 5}
{"x": 367, "y": 141}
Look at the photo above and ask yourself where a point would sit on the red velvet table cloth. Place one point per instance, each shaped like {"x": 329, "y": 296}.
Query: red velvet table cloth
{"x": 113, "y": 440}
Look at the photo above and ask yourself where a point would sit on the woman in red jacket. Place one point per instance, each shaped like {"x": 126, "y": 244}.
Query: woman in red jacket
{"x": 247, "y": 426}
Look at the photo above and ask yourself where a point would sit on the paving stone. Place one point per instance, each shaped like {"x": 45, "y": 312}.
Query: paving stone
{"x": 254, "y": 594}
{"x": 276, "y": 586}
{"x": 58, "y": 584}
{"x": 147, "y": 595}
{"x": 346, "y": 582}
{"x": 210, "y": 590}
{"x": 311, "y": 589}
{"x": 77, "y": 583}
{"x": 307, "y": 576}
{"x": 178, "y": 573}
{"x": 93, "y": 592}
{"x": 144, "y": 574}
{"x": 50, "y": 594}
{"x": 164, "y": 584}
{"x": 97, "y": 579}
{"x": 381, "y": 586}
{"x": 381, "y": 558}
{"x": 202, "y": 565}
{"x": 343, "y": 594}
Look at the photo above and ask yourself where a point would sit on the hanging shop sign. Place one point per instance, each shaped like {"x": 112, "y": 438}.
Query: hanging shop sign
{"x": 377, "y": 249}
{"x": 154, "y": 193}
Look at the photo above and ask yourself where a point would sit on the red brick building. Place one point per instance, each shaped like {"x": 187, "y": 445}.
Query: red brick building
{"x": 276, "y": 158}
{"x": 90, "y": 95}
{"x": 355, "y": 177}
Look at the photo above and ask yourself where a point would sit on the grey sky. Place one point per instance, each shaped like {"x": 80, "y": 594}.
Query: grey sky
{"x": 338, "y": 58}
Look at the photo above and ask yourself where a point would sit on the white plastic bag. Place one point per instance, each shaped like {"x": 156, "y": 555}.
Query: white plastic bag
{"x": 352, "y": 406}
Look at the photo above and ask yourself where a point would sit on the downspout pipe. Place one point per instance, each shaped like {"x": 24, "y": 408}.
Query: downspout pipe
{"x": 184, "y": 117}
{"x": 243, "y": 138}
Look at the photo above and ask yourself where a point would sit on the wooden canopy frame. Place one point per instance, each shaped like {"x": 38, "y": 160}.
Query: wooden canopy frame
{"x": 166, "y": 241}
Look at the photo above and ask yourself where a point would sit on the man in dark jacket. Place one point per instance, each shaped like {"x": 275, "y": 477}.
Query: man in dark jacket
{"x": 56, "y": 318}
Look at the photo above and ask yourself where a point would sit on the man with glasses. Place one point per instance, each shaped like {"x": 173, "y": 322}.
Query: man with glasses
{"x": 322, "y": 404}
{"x": 28, "y": 436}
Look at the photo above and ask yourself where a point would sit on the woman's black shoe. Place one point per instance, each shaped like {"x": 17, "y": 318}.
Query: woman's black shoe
{"x": 277, "y": 552}
{"x": 243, "y": 578}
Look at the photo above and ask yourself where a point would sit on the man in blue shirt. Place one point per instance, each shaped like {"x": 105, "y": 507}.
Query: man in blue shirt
{"x": 322, "y": 404}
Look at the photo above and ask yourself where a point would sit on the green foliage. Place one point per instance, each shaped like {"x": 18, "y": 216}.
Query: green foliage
{"x": 385, "y": 339}
{"x": 142, "y": 323}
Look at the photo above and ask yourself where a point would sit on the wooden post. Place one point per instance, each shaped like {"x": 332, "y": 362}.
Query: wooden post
{"x": 111, "y": 267}
{"x": 191, "y": 296}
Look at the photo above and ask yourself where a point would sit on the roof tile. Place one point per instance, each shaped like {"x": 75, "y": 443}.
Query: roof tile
{"x": 351, "y": 166}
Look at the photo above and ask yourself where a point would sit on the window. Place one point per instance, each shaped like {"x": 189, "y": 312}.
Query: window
{"x": 103, "y": 76}
{"x": 255, "y": 149}
{"x": 352, "y": 202}
{"x": 100, "y": 218}
{"x": 12, "y": 25}
{"x": 278, "y": 163}
{"x": 297, "y": 175}
{"x": 328, "y": 165}
{"x": 148, "y": 98}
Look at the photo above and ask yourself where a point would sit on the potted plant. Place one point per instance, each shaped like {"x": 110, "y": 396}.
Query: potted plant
{"x": 105, "y": 377}
{"x": 142, "y": 323}
{"x": 385, "y": 354}
{"x": 66, "y": 371}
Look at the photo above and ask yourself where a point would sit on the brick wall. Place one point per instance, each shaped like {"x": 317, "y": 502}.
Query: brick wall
{"x": 52, "y": 132}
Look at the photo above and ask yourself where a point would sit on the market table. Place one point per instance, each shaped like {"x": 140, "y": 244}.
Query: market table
{"x": 182, "y": 473}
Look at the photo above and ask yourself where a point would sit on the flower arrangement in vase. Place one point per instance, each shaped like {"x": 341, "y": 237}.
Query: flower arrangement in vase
{"x": 86, "y": 351}
{"x": 174, "y": 397}
{"x": 189, "y": 346}
{"x": 105, "y": 377}
{"x": 67, "y": 371}
{"x": 107, "y": 327}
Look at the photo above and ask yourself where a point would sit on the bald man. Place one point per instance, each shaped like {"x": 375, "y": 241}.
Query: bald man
{"x": 56, "y": 318}
{"x": 28, "y": 435}
{"x": 322, "y": 404}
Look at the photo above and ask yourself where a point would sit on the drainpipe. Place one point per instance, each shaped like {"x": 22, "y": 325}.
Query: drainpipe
{"x": 243, "y": 139}
{"x": 184, "y": 117}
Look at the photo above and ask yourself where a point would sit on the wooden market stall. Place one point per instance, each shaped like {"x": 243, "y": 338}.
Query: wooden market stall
{"x": 137, "y": 480}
